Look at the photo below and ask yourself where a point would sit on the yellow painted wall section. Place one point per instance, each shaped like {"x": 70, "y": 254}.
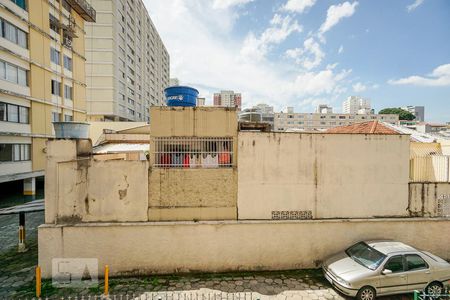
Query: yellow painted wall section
{"x": 78, "y": 43}
{"x": 197, "y": 194}
{"x": 330, "y": 175}
{"x": 193, "y": 121}
{"x": 174, "y": 247}
{"x": 38, "y": 154}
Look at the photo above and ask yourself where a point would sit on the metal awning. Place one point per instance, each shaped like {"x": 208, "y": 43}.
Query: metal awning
{"x": 32, "y": 206}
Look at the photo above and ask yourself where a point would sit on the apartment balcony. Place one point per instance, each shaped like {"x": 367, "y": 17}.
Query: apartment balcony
{"x": 86, "y": 11}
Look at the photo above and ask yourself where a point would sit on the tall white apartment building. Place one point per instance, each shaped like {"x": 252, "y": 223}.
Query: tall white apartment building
{"x": 356, "y": 105}
{"x": 127, "y": 66}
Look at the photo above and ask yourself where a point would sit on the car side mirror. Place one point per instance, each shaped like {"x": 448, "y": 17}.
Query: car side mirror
{"x": 386, "y": 272}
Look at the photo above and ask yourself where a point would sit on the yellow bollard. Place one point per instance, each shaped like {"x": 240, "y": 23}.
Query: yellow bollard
{"x": 106, "y": 280}
{"x": 38, "y": 282}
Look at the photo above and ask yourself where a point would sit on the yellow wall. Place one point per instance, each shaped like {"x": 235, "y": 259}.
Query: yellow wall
{"x": 41, "y": 76}
{"x": 193, "y": 121}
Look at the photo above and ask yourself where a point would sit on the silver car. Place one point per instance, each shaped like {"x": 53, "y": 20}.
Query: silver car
{"x": 377, "y": 268}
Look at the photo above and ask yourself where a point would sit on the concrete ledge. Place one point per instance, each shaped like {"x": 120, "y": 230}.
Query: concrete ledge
{"x": 218, "y": 246}
{"x": 191, "y": 213}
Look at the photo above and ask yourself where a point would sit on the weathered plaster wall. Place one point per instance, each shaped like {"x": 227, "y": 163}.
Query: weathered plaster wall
{"x": 424, "y": 198}
{"x": 171, "y": 247}
{"x": 193, "y": 121}
{"x": 330, "y": 175}
{"x": 189, "y": 194}
{"x": 81, "y": 189}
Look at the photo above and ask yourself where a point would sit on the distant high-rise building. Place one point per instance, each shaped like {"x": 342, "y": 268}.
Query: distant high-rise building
{"x": 288, "y": 110}
{"x": 127, "y": 67}
{"x": 356, "y": 105}
{"x": 201, "y": 101}
{"x": 228, "y": 99}
{"x": 417, "y": 111}
{"x": 174, "y": 82}
{"x": 324, "y": 109}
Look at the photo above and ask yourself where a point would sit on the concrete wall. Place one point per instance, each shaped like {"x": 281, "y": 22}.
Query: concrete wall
{"x": 193, "y": 121}
{"x": 429, "y": 199}
{"x": 81, "y": 189}
{"x": 201, "y": 194}
{"x": 193, "y": 194}
{"x": 322, "y": 175}
{"x": 171, "y": 247}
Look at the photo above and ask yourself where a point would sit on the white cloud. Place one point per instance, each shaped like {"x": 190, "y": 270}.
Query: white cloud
{"x": 205, "y": 54}
{"x": 317, "y": 83}
{"x": 309, "y": 57}
{"x": 439, "y": 77}
{"x": 341, "y": 49}
{"x": 336, "y": 13}
{"x": 414, "y": 5}
{"x": 359, "y": 87}
{"x": 298, "y": 6}
{"x": 256, "y": 48}
{"x": 223, "y": 4}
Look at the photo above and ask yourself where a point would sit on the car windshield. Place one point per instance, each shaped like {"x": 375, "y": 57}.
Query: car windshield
{"x": 366, "y": 255}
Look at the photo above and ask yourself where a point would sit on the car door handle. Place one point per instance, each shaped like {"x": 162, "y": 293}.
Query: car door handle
{"x": 402, "y": 276}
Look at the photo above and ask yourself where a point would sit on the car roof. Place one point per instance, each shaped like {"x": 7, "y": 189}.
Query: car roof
{"x": 387, "y": 247}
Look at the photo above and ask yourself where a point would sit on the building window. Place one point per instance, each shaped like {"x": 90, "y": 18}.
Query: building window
{"x": 14, "y": 113}
{"x": 66, "y": 5}
{"x": 55, "y": 117}
{"x": 130, "y": 101}
{"x": 15, "y": 152}
{"x": 68, "y": 92}
{"x": 54, "y": 55}
{"x": 13, "y": 34}
{"x": 68, "y": 118}
{"x": 193, "y": 152}
{"x": 54, "y": 23}
{"x": 67, "y": 63}
{"x": 56, "y": 88}
{"x": 20, "y": 3}
{"x": 131, "y": 112}
{"x": 13, "y": 73}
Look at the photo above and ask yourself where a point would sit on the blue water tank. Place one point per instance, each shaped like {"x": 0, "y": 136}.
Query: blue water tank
{"x": 181, "y": 96}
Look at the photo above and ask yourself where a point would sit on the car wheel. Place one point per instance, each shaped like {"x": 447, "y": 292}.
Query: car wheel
{"x": 433, "y": 290}
{"x": 366, "y": 293}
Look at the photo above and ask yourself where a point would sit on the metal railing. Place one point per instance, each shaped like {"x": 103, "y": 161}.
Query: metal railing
{"x": 193, "y": 152}
{"x": 84, "y": 9}
{"x": 173, "y": 295}
{"x": 421, "y": 295}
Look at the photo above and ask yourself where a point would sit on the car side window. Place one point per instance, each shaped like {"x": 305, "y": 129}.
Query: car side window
{"x": 415, "y": 262}
{"x": 395, "y": 264}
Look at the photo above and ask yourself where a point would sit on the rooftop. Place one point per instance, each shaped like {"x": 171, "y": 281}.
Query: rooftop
{"x": 372, "y": 127}
{"x": 387, "y": 247}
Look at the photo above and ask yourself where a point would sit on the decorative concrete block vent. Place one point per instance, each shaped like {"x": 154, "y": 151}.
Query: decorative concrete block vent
{"x": 292, "y": 215}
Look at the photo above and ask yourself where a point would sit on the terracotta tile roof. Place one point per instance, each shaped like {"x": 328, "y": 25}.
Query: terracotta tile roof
{"x": 372, "y": 127}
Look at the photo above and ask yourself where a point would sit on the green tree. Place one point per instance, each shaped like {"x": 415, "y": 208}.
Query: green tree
{"x": 402, "y": 114}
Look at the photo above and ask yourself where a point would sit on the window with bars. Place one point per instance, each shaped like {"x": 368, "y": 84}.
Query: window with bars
{"x": 193, "y": 152}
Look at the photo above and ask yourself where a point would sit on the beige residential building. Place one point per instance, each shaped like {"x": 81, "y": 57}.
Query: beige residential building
{"x": 127, "y": 63}
{"x": 42, "y": 79}
{"x": 317, "y": 121}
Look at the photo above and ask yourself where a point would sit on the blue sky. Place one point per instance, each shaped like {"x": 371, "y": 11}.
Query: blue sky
{"x": 304, "y": 52}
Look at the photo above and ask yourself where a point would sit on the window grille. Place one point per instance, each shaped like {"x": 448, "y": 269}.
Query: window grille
{"x": 193, "y": 152}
